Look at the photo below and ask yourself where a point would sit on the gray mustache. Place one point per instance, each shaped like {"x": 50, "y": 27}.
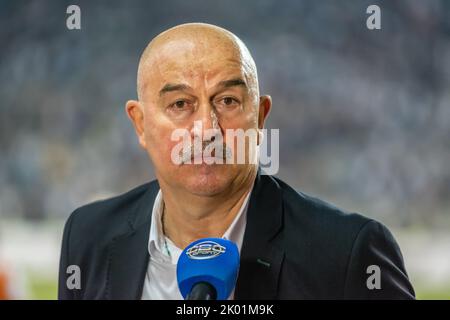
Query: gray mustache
{"x": 189, "y": 152}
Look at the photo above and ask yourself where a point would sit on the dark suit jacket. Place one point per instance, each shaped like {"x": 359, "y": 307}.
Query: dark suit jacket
{"x": 295, "y": 247}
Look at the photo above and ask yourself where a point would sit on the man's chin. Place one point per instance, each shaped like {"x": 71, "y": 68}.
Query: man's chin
{"x": 207, "y": 180}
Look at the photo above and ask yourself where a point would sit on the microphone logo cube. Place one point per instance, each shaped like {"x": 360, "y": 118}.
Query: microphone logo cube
{"x": 205, "y": 250}
{"x": 211, "y": 261}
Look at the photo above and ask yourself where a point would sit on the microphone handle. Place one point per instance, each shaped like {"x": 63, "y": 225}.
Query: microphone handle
{"x": 202, "y": 291}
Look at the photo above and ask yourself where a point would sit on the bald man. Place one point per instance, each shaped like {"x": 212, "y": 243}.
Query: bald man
{"x": 201, "y": 80}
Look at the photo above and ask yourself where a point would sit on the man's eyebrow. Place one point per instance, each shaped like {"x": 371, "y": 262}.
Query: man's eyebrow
{"x": 232, "y": 83}
{"x": 180, "y": 87}
{"x": 173, "y": 87}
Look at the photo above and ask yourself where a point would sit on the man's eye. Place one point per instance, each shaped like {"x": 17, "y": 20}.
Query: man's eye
{"x": 229, "y": 101}
{"x": 180, "y": 104}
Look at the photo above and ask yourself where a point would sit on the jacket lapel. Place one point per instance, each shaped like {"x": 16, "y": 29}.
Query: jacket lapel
{"x": 128, "y": 254}
{"x": 261, "y": 261}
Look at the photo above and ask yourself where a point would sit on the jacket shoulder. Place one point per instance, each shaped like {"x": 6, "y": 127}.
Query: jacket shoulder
{"x": 319, "y": 230}
{"x": 103, "y": 219}
{"x": 317, "y": 214}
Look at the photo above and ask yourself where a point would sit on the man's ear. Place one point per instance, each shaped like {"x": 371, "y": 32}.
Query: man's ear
{"x": 135, "y": 113}
{"x": 265, "y": 104}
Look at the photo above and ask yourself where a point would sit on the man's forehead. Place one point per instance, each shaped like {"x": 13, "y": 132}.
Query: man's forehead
{"x": 195, "y": 54}
{"x": 198, "y": 72}
{"x": 193, "y": 70}
{"x": 208, "y": 55}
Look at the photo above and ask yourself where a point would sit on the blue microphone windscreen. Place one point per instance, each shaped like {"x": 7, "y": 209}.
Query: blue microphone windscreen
{"x": 211, "y": 260}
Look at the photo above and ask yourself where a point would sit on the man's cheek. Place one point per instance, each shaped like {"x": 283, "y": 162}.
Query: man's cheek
{"x": 165, "y": 147}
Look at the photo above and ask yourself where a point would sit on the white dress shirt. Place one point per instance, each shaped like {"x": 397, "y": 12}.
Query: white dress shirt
{"x": 161, "y": 278}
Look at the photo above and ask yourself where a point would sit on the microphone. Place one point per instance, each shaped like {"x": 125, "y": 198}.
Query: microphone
{"x": 207, "y": 269}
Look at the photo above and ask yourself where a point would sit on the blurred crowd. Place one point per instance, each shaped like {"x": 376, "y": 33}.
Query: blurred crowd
{"x": 364, "y": 116}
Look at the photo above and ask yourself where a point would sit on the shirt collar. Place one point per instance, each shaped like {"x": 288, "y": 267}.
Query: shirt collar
{"x": 156, "y": 240}
{"x": 234, "y": 233}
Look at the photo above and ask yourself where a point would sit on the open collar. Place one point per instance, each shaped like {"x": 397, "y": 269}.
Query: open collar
{"x": 260, "y": 262}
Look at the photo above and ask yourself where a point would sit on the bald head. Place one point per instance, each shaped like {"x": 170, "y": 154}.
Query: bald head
{"x": 202, "y": 80}
{"x": 193, "y": 48}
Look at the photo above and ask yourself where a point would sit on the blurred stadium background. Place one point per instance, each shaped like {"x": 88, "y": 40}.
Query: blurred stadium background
{"x": 364, "y": 116}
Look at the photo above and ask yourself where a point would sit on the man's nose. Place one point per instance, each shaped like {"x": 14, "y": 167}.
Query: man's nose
{"x": 206, "y": 123}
